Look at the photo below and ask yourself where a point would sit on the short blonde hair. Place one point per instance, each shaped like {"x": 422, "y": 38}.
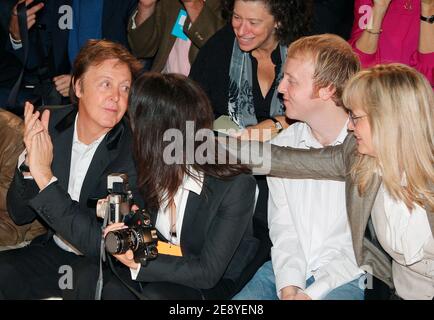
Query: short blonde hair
{"x": 399, "y": 103}
{"x": 334, "y": 60}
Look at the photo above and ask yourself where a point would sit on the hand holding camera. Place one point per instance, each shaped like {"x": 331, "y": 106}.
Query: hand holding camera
{"x": 129, "y": 235}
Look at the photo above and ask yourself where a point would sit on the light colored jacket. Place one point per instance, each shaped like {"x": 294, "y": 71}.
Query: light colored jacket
{"x": 334, "y": 163}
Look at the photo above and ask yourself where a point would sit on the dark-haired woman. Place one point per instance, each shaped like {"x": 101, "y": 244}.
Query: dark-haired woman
{"x": 203, "y": 210}
{"x": 241, "y": 65}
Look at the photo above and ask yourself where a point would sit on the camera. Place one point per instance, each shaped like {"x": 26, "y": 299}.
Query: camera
{"x": 139, "y": 236}
{"x": 118, "y": 203}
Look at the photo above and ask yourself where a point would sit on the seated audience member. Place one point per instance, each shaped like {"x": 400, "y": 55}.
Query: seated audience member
{"x": 387, "y": 164}
{"x": 386, "y": 31}
{"x": 173, "y": 31}
{"x": 57, "y": 31}
{"x": 69, "y": 153}
{"x": 11, "y": 145}
{"x": 202, "y": 209}
{"x": 241, "y": 65}
{"x": 312, "y": 255}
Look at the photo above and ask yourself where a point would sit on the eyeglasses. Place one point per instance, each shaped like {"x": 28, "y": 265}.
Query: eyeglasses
{"x": 355, "y": 119}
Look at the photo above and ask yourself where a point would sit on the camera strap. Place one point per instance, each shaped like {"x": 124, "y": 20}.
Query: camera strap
{"x": 102, "y": 259}
{"x": 24, "y": 34}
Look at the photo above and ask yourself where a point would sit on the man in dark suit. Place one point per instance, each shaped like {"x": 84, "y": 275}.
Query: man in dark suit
{"x": 68, "y": 157}
{"x": 57, "y": 30}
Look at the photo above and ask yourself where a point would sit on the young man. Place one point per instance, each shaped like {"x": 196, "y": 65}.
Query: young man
{"x": 69, "y": 154}
{"x": 312, "y": 253}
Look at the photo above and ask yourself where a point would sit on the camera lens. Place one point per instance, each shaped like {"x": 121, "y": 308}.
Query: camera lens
{"x": 117, "y": 242}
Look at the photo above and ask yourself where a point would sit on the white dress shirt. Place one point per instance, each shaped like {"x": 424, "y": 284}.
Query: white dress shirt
{"x": 81, "y": 157}
{"x": 309, "y": 225}
{"x": 406, "y": 236}
{"x": 163, "y": 223}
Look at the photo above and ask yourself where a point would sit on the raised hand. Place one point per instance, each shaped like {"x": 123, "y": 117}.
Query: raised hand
{"x": 14, "y": 27}
{"x": 40, "y": 157}
{"x": 62, "y": 84}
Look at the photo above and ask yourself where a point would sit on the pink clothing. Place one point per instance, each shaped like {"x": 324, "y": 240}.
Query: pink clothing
{"x": 399, "y": 41}
{"x": 178, "y": 61}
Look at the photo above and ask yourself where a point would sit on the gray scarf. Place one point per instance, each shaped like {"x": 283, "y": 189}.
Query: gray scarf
{"x": 240, "y": 104}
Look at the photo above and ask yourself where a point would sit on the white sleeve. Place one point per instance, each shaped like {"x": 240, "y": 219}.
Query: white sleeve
{"x": 133, "y": 20}
{"x": 15, "y": 43}
{"x": 287, "y": 256}
{"x": 135, "y": 272}
{"x": 339, "y": 271}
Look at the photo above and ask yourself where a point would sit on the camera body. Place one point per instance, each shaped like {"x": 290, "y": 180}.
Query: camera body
{"x": 139, "y": 236}
{"x": 118, "y": 203}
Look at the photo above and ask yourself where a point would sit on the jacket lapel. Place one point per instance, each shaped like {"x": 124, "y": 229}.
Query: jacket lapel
{"x": 107, "y": 151}
{"x": 192, "y": 217}
{"x": 62, "y": 142}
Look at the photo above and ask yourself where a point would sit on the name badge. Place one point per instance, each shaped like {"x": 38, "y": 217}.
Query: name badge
{"x": 178, "y": 28}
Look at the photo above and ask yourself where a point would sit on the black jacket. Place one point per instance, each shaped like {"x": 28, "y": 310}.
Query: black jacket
{"x": 52, "y": 41}
{"x": 216, "y": 239}
{"x": 75, "y": 221}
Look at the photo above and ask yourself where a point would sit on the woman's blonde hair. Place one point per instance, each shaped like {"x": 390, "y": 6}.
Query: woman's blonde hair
{"x": 399, "y": 103}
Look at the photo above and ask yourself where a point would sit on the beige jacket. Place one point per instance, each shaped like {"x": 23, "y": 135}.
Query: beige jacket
{"x": 332, "y": 163}
{"x": 153, "y": 37}
{"x": 11, "y": 146}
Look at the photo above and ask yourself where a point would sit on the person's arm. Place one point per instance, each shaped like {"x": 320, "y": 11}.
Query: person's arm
{"x": 368, "y": 41}
{"x": 329, "y": 163}
{"x": 366, "y": 32}
{"x": 339, "y": 271}
{"x": 287, "y": 256}
{"x": 206, "y": 19}
{"x": 144, "y": 30}
{"x": 223, "y": 237}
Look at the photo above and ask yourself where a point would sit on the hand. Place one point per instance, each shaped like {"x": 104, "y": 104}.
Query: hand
{"x": 127, "y": 258}
{"x": 288, "y": 293}
{"x": 262, "y": 131}
{"x": 293, "y": 293}
{"x": 62, "y": 84}
{"x": 40, "y": 157}
{"x": 14, "y": 27}
{"x": 33, "y": 126}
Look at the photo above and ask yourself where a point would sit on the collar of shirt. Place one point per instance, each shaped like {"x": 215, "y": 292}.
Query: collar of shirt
{"x": 309, "y": 141}
{"x": 75, "y": 139}
{"x": 163, "y": 223}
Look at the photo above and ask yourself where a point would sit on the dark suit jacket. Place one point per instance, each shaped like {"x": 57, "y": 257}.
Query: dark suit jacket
{"x": 75, "y": 221}
{"x": 55, "y": 40}
{"x": 10, "y": 66}
{"x": 216, "y": 239}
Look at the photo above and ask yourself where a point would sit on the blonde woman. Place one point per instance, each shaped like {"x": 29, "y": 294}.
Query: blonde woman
{"x": 388, "y": 166}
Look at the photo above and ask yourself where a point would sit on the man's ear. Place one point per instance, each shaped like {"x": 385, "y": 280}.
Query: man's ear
{"x": 77, "y": 87}
{"x": 326, "y": 93}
